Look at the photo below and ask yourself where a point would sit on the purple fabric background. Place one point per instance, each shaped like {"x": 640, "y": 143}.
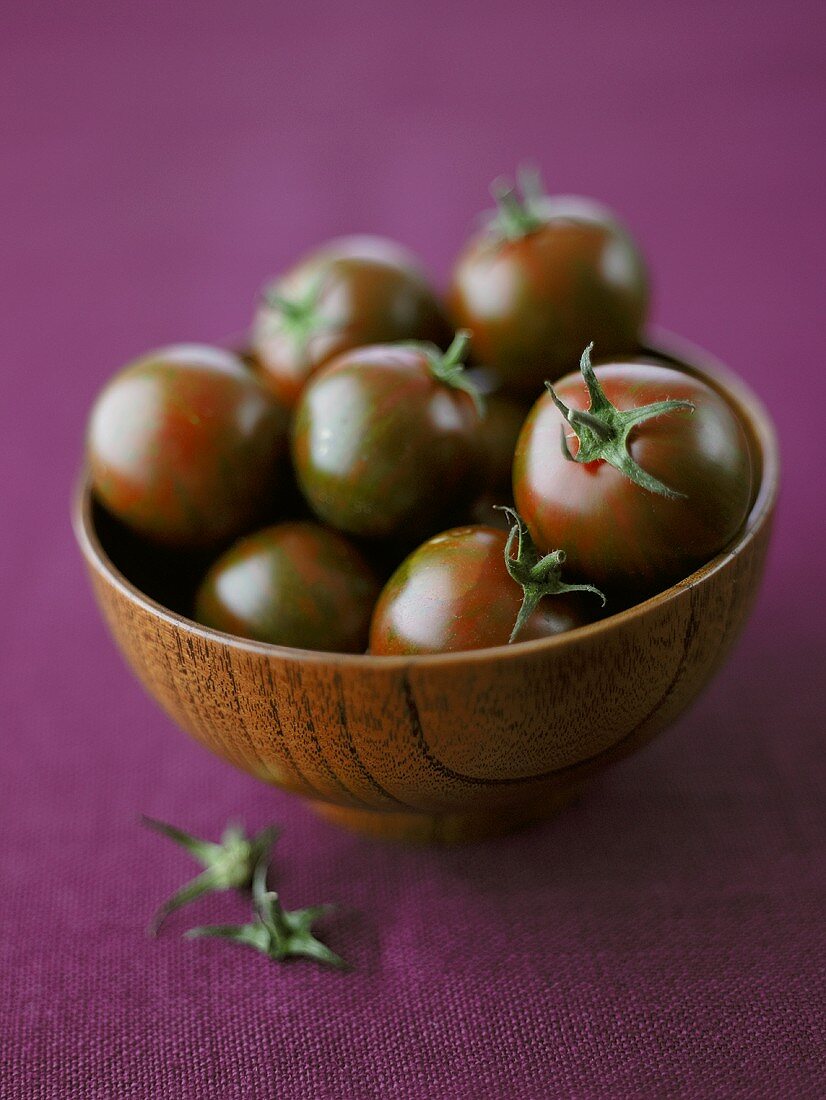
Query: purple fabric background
{"x": 663, "y": 938}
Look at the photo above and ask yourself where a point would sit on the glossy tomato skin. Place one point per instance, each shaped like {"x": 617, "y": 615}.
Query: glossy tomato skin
{"x": 381, "y": 448}
{"x": 294, "y": 584}
{"x": 454, "y": 593}
{"x": 534, "y": 302}
{"x": 367, "y": 290}
{"x": 623, "y": 537}
{"x": 186, "y": 447}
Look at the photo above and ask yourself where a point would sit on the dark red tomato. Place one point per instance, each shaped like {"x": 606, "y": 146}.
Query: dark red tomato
{"x": 498, "y": 433}
{"x": 682, "y": 494}
{"x": 354, "y": 291}
{"x": 503, "y": 417}
{"x": 186, "y": 447}
{"x": 455, "y": 593}
{"x": 295, "y": 584}
{"x": 385, "y": 439}
{"x": 544, "y": 278}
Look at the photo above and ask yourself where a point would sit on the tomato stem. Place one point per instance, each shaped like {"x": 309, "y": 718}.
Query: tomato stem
{"x": 537, "y": 576}
{"x": 517, "y": 217}
{"x": 455, "y": 354}
{"x": 275, "y": 931}
{"x": 448, "y": 367}
{"x": 293, "y": 310}
{"x": 227, "y": 865}
{"x": 297, "y": 317}
{"x": 513, "y": 219}
{"x": 603, "y": 429}
{"x": 530, "y": 184}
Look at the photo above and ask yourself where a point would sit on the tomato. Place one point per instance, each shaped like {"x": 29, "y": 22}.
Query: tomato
{"x": 295, "y": 584}
{"x": 542, "y": 279}
{"x": 497, "y": 437}
{"x": 498, "y": 433}
{"x": 463, "y": 589}
{"x": 354, "y": 291}
{"x": 384, "y": 439}
{"x": 186, "y": 447}
{"x": 652, "y": 492}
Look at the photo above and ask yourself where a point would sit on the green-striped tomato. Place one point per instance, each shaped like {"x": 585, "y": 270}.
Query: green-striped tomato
{"x": 544, "y": 277}
{"x": 385, "y": 440}
{"x": 694, "y": 456}
{"x": 353, "y": 291}
{"x": 186, "y": 447}
{"x": 295, "y": 584}
{"x": 455, "y": 593}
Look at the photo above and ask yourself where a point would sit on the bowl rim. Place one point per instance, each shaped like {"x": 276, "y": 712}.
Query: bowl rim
{"x": 664, "y": 344}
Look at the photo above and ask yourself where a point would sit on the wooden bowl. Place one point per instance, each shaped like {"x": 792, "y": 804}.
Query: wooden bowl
{"x": 453, "y": 746}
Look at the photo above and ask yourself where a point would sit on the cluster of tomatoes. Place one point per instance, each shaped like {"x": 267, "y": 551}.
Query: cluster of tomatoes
{"x": 351, "y": 436}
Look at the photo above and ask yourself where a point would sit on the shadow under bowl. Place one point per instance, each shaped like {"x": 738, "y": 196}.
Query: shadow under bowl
{"x": 453, "y": 746}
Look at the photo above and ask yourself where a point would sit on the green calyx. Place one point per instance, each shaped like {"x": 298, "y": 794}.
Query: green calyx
{"x": 229, "y": 865}
{"x": 276, "y": 932}
{"x": 516, "y": 217}
{"x": 604, "y": 429}
{"x": 448, "y": 366}
{"x": 297, "y": 317}
{"x": 537, "y": 575}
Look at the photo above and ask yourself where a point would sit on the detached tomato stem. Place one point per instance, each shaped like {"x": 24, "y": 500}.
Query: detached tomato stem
{"x": 603, "y": 429}
{"x": 537, "y": 576}
{"x": 228, "y": 865}
{"x": 275, "y": 931}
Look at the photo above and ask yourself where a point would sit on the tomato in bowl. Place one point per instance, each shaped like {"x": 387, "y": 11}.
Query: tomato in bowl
{"x": 449, "y": 746}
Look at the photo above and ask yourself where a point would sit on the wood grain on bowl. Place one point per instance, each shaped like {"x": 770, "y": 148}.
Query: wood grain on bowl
{"x": 451, "y": 746}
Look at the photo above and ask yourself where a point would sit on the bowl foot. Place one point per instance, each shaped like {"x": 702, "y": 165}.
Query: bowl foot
{"x": 449, "y": 827}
